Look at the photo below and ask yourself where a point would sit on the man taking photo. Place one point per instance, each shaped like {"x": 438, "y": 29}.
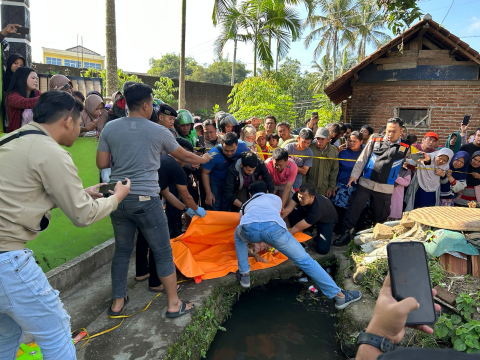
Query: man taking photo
{"x": 38, "y": 175}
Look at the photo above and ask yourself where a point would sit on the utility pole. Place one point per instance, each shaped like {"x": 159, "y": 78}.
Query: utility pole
{"x": 111, "y": 37}
{"x": 232, "y": 82}
{"x": 181, "y": 80}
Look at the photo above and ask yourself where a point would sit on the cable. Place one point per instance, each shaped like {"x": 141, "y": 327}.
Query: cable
{"x": 447, "y": 12}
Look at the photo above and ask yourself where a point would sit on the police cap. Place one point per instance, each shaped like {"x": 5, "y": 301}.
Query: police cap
{"x": 167, "y": 110}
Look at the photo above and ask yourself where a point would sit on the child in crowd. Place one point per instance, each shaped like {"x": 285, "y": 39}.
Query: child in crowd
{"x": 198, "y": 127}
{"x": 403, "y": 180}
{"x": 262, "y": 147}
{"x": 273, "y": 140}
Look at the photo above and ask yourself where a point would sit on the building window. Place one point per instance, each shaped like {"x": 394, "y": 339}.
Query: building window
{"x": 54, "y": 61}
{"x": 414, "y": 117}
{"x": 90, "y": 65}
{"x": 72, "y": 63}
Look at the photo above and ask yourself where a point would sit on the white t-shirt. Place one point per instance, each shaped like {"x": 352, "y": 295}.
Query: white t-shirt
{"x": 262, "y": 208}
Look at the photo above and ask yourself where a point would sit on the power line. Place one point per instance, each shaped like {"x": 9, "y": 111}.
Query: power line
{"x": 447, "y": 12}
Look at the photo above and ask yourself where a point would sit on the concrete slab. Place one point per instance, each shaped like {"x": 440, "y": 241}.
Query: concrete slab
{"x": 149, "y": 335}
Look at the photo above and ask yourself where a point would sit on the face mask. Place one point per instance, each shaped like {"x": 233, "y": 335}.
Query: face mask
{"x": 249, "y": 143}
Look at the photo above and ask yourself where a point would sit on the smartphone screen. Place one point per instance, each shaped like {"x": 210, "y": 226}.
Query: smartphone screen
{"x": 104, "y": 189}
{"x": 409, "y": 275}
{"x": 466, "y": 120}
{"x": 23, "y": 30}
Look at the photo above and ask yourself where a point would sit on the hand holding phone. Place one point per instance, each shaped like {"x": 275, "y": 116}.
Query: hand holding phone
{"x": 22, "y": 30}
{"x": 418, "y": 156}
{"x": 466, "y": 120}
{"x": 410, "y": 278}
{"x": 109, "y": 188}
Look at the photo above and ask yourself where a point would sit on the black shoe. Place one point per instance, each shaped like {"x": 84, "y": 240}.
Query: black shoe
{"x": 343, "y": 239}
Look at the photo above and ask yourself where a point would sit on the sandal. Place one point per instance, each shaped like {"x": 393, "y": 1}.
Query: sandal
{"x": 156, "y": 290}
{"x": 180, "y": 312}
{"x": 143, "y": 278}
{"x": 113, "y": 313}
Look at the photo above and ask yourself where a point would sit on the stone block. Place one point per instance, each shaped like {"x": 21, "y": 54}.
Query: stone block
{"x": 406, "y": 221}
{"x": 381, "y": 231}
{"x": 445, "y": 295}
{"x": 399, "y": 229}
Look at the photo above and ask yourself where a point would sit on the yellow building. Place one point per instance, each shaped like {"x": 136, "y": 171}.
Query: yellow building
{"x": 73, "y": 57}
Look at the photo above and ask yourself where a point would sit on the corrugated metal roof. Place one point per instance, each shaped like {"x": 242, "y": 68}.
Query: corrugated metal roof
{"x": 85, "y": 50}
{"x": 341, "y": 88}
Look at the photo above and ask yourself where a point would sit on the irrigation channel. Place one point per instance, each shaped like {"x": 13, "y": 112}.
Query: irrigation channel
{"x": 279, "y": 321}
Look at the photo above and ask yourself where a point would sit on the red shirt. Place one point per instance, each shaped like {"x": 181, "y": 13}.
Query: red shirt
{"x": 15, "y": 104}
{"x": 288, "y": 174}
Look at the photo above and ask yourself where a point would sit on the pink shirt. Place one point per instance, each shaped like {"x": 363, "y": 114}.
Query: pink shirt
{"x": 288, "y": 174}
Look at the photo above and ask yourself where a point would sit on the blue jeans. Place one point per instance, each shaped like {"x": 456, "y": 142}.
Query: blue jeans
{"x": 218, "y": 189}
{"x": 29, "y": 304}
{"x": 150, "y": 218}
{"x": 281, "y": 239}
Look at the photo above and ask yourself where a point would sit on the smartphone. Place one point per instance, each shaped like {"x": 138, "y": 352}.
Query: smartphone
{"x": 407, "y": 262}
{"x": 22, "y": 30}
{"x": 418, "y": 156}
{"x": 466, "y": 119}
{"x": 342, "y": 140}
{"x": 105, "y": 189}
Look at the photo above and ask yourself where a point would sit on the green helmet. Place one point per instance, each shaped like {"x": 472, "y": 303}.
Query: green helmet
{"x": 184, "y": 117}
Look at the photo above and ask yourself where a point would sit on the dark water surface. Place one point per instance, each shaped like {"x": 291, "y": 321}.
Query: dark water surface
{"x": 280, "y": 321}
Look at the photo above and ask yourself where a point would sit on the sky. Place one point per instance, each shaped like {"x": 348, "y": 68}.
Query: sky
{"x": 151, "y": 28}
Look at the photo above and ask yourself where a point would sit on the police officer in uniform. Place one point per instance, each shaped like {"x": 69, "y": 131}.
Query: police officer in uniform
{"x": 380, "y": 162}
{"x": 184, "y": 126}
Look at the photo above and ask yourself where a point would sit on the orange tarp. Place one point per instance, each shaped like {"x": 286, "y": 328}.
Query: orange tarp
{"x": 207, "y": 249}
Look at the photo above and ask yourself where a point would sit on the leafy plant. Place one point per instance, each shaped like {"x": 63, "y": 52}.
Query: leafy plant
{"x": 400, "y": 13}
{"x": 467, "y": 305}
{"x": 437, "y": 272}
{"x": 123, "y": 77}
{"x": 164, "y": 90}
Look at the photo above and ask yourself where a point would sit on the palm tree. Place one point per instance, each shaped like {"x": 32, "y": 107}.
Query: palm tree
{"x": 258, "y": 21}
{"x": 111, "y": 37}
{"x": 370, "y": 23}
{"x": 335, "y": 27}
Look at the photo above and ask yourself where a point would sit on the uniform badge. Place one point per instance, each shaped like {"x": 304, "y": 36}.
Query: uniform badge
{"x": 402, "y": 149}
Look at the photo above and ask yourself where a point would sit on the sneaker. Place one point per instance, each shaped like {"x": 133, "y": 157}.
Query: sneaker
{"x": 350, "y": 297}
{"x": 244, "y": 279}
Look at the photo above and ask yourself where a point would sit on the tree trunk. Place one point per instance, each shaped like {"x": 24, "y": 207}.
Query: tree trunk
{"x": 363, "y": 47}
{"x": 255, "y": 58}
{"x": 111, "y": 54}
{"x": 276, "y": 55}
{"x": 181, "y": 80}
{"x": 232, "y": 81}
{"x": 334, "y": 65}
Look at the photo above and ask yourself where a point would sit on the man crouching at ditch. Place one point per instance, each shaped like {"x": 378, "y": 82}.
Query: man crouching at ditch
{"x": 272, "y": 230}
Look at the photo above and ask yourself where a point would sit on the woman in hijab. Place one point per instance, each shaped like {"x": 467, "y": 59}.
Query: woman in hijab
{"x": 14, "y": 61}
{"x": 455, "y": 180}
{"x": 471, "y": 191}
{"x": 424, "y": 189}
{"x": 21, "y": 97}
{"x": 60, "y": 82}
{"x": 454, "y": 142}
{"x": 93, "y": 112}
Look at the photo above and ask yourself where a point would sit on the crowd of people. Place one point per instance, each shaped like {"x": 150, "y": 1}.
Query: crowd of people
{"x": 326, "y": 179}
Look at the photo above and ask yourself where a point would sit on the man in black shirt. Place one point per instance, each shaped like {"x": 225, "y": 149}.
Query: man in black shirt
{"x": 169, "y": 174}
{"x": 308, "y": 209}
{"x": 474, "y": 146}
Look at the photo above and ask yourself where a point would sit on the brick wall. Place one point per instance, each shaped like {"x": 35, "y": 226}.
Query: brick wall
{"x": 374, "y": 104}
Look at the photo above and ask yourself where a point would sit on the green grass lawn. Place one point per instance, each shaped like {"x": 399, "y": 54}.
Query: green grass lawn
{"x": 63, "y": 241}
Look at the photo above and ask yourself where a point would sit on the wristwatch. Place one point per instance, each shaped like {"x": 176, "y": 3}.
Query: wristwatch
{"x": 379, "y": 342}
{"x": 186, "y": 209}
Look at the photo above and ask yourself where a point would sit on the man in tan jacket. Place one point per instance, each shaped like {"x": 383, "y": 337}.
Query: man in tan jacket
{"x": 36, "y": 175}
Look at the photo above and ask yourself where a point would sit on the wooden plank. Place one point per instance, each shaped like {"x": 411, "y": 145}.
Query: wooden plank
{"x": 434, "y": 54}
{"x": 441, "y": 61}
{"x": 396, "y": 59}
{"x": 402, "y": 65}
{"x": 403, "y": 53}
{"x": 460, "y": 50}
{"x": 475, "y": 259}
{"x": 420, "y": 36}
{"x": 413, "y": 44}
{"x": 430, "y": 44}
{"x": 453, "y": 264}
{"x": 419, "y": 82}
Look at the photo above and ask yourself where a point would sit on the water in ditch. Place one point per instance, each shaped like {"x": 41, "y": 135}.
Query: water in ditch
{"x": 279, "y": 321}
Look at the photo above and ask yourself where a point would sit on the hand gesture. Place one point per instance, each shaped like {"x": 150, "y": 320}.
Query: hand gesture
{"x": 10, "y": 29}
{"x": 93, "y": 191}
{"x": 121, "y": 191}
{"x": 329, "y": 193}
{"x": 463, "y": 129}
{"x": 210, "y": 199}
{"x": 440, "y": 172}
{"x": 92, "y": 125}
{"x": 449, "y": 173}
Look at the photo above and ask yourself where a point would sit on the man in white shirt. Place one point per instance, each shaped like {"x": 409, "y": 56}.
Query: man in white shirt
{"x": 273, "y": 230}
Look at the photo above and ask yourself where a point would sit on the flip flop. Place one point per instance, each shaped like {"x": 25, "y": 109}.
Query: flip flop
{"x": 144, "y": 279}
{"x": 179, "y": 288}
{"x": 180, "y": 312}
{"x": 113, "y": 313}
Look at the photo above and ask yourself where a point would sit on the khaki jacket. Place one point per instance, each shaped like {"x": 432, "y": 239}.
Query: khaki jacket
{"x": 323, "y": 173}
{"x": 37, "y": 175}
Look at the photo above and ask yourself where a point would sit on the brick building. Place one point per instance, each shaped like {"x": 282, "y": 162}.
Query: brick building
{"x": 431, "y": 84}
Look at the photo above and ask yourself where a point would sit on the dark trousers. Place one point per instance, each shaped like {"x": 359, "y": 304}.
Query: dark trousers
{"x": 323, "y": 239}
{"x": 380, "y": 204}
{"x": 174, "y": 215}
{"x": 144, "y": 265}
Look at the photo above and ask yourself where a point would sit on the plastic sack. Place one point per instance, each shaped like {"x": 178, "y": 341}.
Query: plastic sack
{"x": 443, "y": 241}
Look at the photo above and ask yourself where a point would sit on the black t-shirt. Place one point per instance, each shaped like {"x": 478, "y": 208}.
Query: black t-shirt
{"x": 321, "y": 210}
{"x": 470, "y": 148}
{"x": 170, "y": 172}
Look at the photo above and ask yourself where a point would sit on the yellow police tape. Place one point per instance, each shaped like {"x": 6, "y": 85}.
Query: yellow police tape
{"x": 123, "y": 317}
